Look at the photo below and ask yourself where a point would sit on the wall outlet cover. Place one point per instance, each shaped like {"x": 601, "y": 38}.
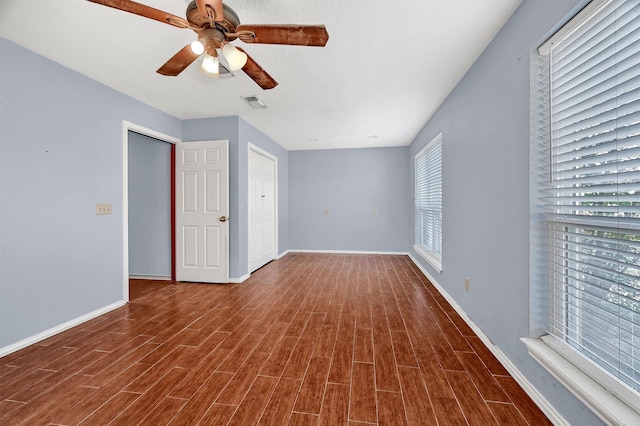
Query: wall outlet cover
{"x": 103, "y": 208}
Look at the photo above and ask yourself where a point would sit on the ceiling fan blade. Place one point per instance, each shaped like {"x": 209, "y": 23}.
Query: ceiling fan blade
{"x": 257, "y": 74}
{"x": 293, "y": 35}
{"x": 178, "y": 62}
{"x": 146, "y": 11}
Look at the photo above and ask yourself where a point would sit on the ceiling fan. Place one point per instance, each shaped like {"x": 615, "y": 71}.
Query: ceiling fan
{"x": 216, "y": 25}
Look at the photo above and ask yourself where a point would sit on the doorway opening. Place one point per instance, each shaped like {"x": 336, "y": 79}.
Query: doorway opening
{"x": 150, "y": 200}
{"x": 128, "y": 127}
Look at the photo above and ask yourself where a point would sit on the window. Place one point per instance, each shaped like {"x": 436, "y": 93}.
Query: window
{"x": 588, "y": 157}
{"x": 428, "y": 202}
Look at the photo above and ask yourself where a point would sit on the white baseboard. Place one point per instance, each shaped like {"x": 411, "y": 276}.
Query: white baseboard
{"x": 547, "y": 408}
{"x": 150, "y": 277}
{"x": 239, "y": 280}
{"x": 283, "y": 254}
{"x": 388, "y": 253}
{"x": 59, "y": 328}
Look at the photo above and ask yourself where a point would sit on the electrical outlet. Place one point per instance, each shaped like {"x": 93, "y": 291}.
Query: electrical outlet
{"x": 466, "y": 284}
{"x": 374, "y": 212}
{"x": 103, "y": 208}
{"x": 325, "y": 212}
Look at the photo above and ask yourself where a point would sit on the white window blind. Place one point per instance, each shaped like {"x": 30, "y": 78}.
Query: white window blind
{"x": 593, "y": 196}
{"x": 428, "y": 202}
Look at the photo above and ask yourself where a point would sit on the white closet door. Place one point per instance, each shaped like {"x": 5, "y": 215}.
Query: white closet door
{"x": 262, "y": 209}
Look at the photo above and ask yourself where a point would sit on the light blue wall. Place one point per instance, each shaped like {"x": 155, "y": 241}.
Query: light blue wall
{"x": 485, "y": 127}
{"x": 351, "y": 184}
{"x": 60, "y": 154}
{"x": 149, "y": 206}
{"x": 239, "y": 133}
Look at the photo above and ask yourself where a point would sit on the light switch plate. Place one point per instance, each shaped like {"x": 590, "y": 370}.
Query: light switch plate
{"x": 103, "y": 208}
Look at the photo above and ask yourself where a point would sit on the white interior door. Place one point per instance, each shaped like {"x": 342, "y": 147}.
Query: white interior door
{"x": 262, "y": 209}
{"x": 202, "y": 209}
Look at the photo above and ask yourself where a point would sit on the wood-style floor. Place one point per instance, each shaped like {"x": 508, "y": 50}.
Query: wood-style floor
{"x": 308, "y": 340}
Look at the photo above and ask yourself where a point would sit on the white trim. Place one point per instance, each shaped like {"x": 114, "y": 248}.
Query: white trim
{"x": 260, "y": 151}
{"x": 239, "y": 280}
{"x": 429, "y": 257}
{"x": 150, "y": 277}
{"x": 390, "y": 253}
{"x": 574, "y": 23}
{"x": 437, "y": 138}
{"x": 609, "y": 408}
{"x": 283, "y": 254}
{"x": 126, "y": 127}
{"x": 59, "y": 328}
{"x": 547, "y": 408}
{"x": 606, "y": 381}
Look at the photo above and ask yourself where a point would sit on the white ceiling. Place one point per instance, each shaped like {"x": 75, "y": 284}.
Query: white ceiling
{"x": 386, "y": 69}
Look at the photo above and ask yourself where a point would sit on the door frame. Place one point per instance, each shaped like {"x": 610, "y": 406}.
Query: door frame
{"x": 267, "y": 154}
{"x": 126, "y": 127}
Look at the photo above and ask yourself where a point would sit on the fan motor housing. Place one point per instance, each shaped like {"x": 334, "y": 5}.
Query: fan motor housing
{"x": 227, "y": 25}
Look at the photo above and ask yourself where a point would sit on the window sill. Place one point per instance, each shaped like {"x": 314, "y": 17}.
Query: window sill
{"x": 607, "y": 406}
{"x": 433, "y": 260}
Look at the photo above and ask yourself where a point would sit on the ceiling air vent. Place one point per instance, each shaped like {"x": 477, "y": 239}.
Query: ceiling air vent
{"x": 254, "y": 102}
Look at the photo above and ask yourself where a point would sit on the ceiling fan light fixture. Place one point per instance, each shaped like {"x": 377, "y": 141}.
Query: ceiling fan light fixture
{"x": 235, "y": 58}
{"x": 210, "y": 66}
{"x": 197, "y": 47}
{"x": 216, "y": 25}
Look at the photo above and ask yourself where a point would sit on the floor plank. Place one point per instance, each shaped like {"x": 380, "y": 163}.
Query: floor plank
{"x": 280, "y": 406}
{"x": 202, "y": 399}
{"x": 335, "y": 407}
{"x": 363, "y": 397}
{"x": 391, "y": 410}
{"x": 416, "y": 400}
{"x": 252, "y": 406}
{"x": 313, "y": 387}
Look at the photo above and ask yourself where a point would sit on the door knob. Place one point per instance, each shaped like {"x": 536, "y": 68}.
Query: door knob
{"x": 223, "y": 219}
